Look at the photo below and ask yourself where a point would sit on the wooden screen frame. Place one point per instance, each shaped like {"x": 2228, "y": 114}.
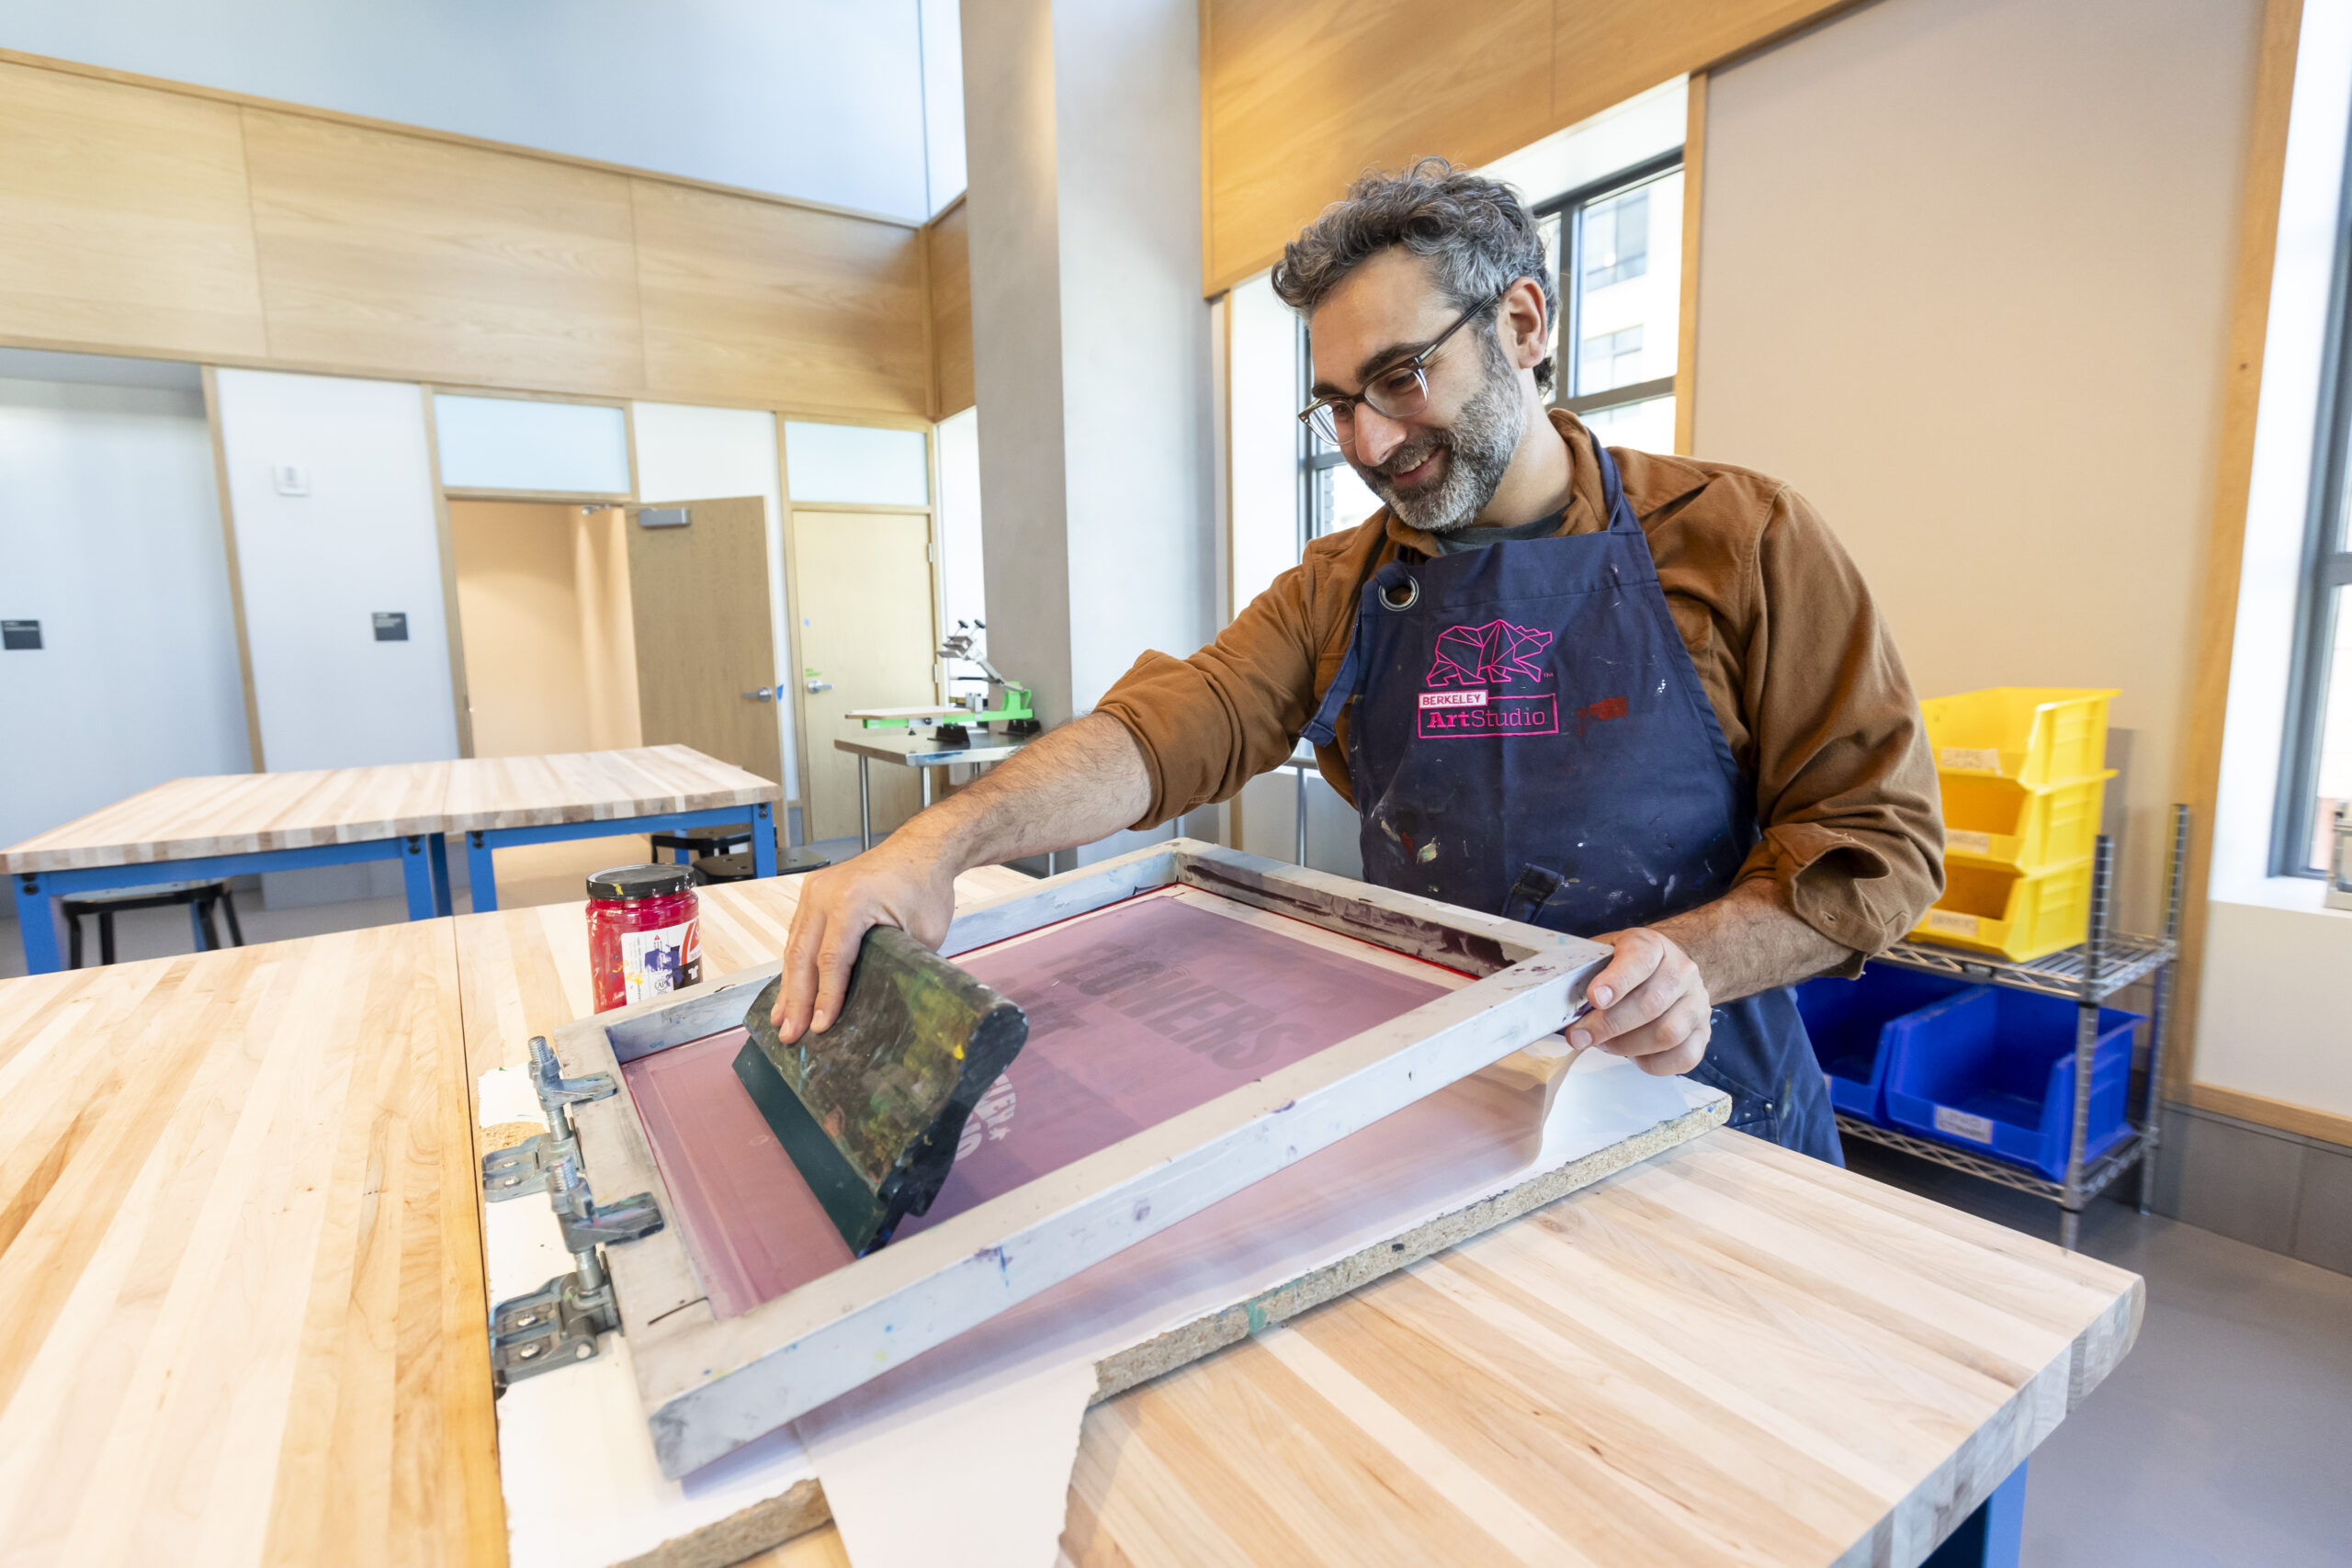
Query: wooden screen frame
{"x": 709, "y": 1385}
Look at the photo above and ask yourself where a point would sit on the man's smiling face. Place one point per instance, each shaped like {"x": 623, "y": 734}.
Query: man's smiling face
{"x": 1436, "y": 469}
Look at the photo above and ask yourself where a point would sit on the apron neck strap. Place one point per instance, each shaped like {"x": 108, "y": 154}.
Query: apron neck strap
{"x": 1612, "y": 492}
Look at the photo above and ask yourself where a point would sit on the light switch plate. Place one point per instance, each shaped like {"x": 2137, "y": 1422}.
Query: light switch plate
{"x": 290, "y": 478}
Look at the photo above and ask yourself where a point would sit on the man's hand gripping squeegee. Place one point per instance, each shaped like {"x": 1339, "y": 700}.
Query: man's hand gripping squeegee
{"x": 870, "y": 1110}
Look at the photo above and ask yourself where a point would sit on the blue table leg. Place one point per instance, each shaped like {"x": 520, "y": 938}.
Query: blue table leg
{"x": 763, "y": 841}
{"x": 37, "y": 921}
{"x": 440, "y": 853}
{"x": 482, "y": 872}
{"x": 1993, "y": 1535}
{"x": 417, "y": 871}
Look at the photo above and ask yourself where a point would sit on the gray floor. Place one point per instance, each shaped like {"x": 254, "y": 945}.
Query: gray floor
{"x": 2225, "y": 1436}
{"x": 2223, "y": 1440}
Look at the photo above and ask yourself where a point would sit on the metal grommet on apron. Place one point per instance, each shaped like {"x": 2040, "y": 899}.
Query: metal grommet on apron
{"x": 1531, "y": 739}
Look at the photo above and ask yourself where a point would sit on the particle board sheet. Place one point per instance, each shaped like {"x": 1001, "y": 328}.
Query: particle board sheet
{"x": 230, "y": 814}
{"x": 488, "y": 793}
{"x": 240, "y": 1261}
{"x": 1138, "y": 1012}
{"x": 1729, "y": 1354}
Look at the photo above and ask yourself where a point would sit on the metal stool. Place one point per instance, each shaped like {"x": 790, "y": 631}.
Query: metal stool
{"x": 739, "y": 867}
{"x": 199, "y": 897}
{"x": 720, "y": 840}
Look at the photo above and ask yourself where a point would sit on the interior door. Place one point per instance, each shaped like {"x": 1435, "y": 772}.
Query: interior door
{"x": 866, "y": 641}
{"x": 706, "y": 644}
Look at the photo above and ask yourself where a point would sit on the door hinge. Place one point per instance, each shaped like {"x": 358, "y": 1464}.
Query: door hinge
{"x": 559, "y": 1323}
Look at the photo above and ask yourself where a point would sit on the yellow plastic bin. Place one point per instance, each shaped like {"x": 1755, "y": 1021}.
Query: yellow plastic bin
{"x": 2036, "y": 736}
{"x": 2017, "y": 914}
{"x": 2002, "y": 823}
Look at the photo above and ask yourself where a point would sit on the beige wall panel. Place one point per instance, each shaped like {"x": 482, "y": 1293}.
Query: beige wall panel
{"x": 124, "y": 213}
{"x": 518, "y": 593}
{"x": 1997, "y": 371}
{"x": 403, "y": 255}
{"x": 750, "y": 301}
{"x": 1299, "y": 99}
{"x": 951, "y": 310}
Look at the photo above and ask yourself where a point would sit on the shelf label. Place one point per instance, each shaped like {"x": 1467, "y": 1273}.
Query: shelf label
{"x": 1960, "y": 1125}
{"x": 1988, "y": 758}
{"x": 1961, "y": 838}
{"x": 1949, "y": 923}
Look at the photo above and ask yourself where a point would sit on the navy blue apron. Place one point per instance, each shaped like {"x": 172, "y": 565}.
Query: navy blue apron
{"x": 1530, "y": 738}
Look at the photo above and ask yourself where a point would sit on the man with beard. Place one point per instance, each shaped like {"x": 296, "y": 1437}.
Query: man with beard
{"x": 1638, "y": 697}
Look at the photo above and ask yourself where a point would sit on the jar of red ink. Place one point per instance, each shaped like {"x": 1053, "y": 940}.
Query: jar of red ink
{"x": 643, "y": 938}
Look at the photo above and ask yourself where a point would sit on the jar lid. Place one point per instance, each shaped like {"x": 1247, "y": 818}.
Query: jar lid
{"x": 639, "y": 882}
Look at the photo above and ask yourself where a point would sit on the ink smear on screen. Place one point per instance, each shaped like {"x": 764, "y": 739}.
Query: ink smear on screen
{"x": 1137, "y": 1013}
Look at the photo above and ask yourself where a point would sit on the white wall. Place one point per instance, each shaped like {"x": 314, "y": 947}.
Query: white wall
{"x": 111, "y": 537}
{"x": 822, "y": 99}
{"x": 698, "y": 454}
{"x": 314, "y": 568}
{"x": 1965, "y": 280}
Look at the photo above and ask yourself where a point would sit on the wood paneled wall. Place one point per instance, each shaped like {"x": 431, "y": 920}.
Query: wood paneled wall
{"x": 951, "y": 309}
{"x": 1300, "y": 96}
{"x": 150, "y": 218}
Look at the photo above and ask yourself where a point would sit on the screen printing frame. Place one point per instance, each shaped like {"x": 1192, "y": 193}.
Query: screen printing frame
{"x": 708, "y": 1385}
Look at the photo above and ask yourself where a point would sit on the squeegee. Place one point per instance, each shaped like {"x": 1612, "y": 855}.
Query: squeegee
{"x": 870, "y": 1110}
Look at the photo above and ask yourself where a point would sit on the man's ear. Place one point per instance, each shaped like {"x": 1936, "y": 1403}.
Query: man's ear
{"x": 1521, "y": 321}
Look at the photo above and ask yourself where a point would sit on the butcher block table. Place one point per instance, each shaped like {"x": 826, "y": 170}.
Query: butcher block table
{"x": 242, "y": 1279}
{"x": 235, "y": 824}
{"x": 500, "y": 801}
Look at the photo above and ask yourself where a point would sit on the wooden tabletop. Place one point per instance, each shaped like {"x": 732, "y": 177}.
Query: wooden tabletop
{"x": 593, "y": 786}
{"x": 234, "y": 814}
{"x": 241, "y": 1274}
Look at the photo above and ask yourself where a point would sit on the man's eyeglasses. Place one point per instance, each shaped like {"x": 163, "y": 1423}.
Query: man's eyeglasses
{"x": 1400, "y": 391}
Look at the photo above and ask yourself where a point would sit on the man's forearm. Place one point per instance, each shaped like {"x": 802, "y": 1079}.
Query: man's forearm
{"x": 1750, "y": 941}
{"x": 1084, "y": 782}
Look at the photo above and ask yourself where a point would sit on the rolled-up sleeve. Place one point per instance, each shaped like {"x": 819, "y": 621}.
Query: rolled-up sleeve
{"x": 1846, "y": 789}
{"x": 1209, "y": 724}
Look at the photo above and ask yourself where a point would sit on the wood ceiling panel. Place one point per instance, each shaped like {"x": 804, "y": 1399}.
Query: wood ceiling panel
{"x": 951, "y": 309}
{"x": 1301, "y": 98}
{"x": 403, "y": 256}
{"x": 751, "y": 301}
{"x": 125, "y": 215}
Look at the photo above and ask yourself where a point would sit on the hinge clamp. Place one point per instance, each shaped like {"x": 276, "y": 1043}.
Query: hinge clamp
{"x": 558, "y": 1323}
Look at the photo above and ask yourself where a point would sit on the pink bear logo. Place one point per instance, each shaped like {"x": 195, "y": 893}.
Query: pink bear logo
{"x": 1487, "y": 656}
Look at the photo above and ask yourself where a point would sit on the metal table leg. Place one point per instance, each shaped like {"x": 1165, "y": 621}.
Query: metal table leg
{"x": 439, "y": 854}
{"x": 1301, "y": 773}
{"x": 417, "y": 871}
{"x": 482, "y": 870}
{"x": 864, "y": 803}
{"x": 762, "y": 839}
{"x": 1993, "y": 1536}
{"x": 924, "y": 774}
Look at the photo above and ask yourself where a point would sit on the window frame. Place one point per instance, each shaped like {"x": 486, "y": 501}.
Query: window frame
{"x": 1569, "y": 206}
{"x": 2325, "y": 571}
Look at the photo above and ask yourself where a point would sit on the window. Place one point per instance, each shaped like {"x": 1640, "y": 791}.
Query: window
{"x": 1330, "y": 495}
{"x": 2315, "y": 775}
{"x": 1620, "y": 273}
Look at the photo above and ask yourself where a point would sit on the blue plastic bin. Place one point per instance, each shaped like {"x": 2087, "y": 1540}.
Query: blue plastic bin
{"x": 1847, "y": 1019}
{"x": 1993, "y": 1070}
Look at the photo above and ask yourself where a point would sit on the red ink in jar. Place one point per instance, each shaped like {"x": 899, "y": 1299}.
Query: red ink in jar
{"x": 644, "y": 939}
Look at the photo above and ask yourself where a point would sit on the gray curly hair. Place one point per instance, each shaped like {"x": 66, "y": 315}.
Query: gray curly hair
{"x": 1477, "y": 232}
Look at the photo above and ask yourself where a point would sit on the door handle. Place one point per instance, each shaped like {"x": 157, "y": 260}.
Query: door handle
{"x": 763, "y": 695}
{"x": 817, "y": 686}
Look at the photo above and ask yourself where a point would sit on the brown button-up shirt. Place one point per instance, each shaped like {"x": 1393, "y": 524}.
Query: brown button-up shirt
{"x": 1789, "y": 648}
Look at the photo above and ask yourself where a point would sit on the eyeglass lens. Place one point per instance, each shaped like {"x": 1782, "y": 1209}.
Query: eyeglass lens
{"x": 1397, "y": 393}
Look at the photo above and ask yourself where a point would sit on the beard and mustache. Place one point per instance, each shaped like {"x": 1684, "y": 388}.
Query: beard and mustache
{"x": 1479, "y": 444}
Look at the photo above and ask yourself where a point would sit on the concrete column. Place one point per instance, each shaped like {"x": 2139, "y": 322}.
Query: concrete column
{"x": 1090, "y": 336}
